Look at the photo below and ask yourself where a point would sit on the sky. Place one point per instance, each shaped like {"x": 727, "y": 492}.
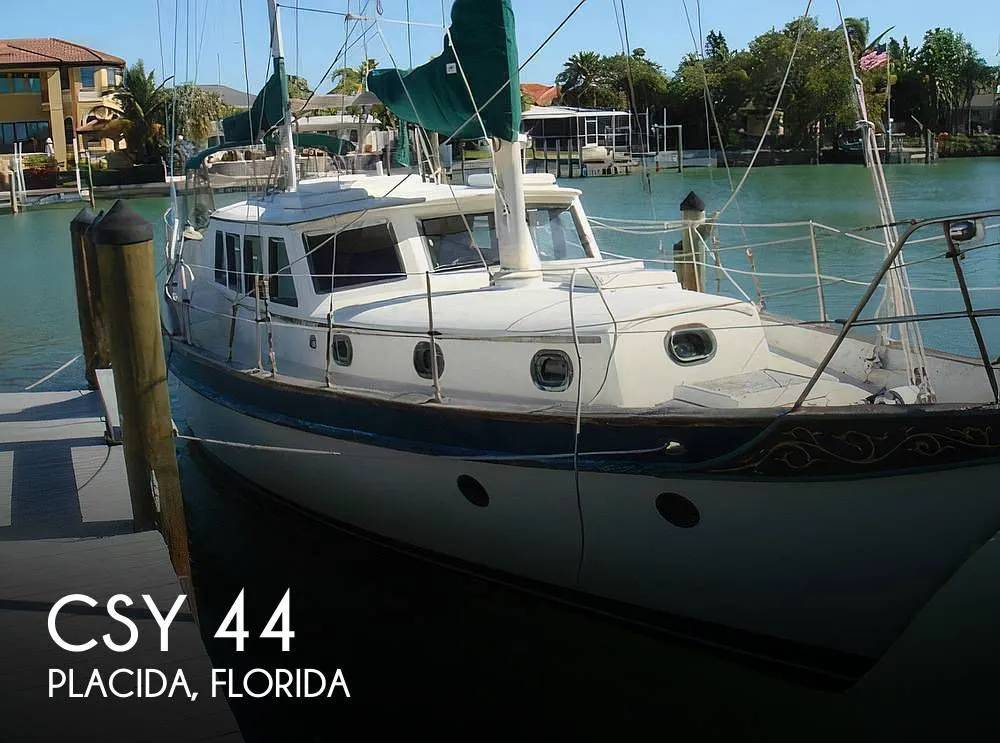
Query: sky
{"x": 202, "y": 40}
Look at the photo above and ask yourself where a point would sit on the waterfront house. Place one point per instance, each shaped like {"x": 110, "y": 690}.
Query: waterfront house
{"x": 59, "y": 89}
{"x": 540, "y": 94}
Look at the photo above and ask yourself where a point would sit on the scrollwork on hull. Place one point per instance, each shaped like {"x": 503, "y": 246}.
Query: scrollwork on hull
{"x": 813, "y": 451}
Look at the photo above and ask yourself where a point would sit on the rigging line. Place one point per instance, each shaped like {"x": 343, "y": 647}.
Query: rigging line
{"x": 246, "y": 73}
{"x": 343, "y": 52}
{"x": 159, "y": 35}
{"x": 187, "y": 41}
{"x": 451, "y": 187}
{"x": 898, "y": 284}
{"x": 201, "y": 41}
{"x": 409, "y": 41}
{"x": 348, "y": 15}
{"x": 627, "y": 52}
{"x": 173, "y": 116}
{"x": 774, "y": 108}
{"x": 524, "y": 64}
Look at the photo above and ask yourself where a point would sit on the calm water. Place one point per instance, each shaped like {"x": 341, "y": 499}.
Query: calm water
{"x": 420, "y": 642}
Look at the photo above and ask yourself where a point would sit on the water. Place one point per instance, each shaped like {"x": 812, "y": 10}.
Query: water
{"x": 418, "y": 642}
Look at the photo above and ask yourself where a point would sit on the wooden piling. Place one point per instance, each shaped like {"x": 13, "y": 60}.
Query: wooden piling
{"x": 689, "y": 253}
{"x": 89, "y": 304}
{"x": 124, "y": 242}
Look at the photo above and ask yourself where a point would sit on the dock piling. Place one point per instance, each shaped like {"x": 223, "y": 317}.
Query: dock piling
{"x": 124, "y": 244}
{"x": 89, "y": 305}
{"x": 689, "y": 255}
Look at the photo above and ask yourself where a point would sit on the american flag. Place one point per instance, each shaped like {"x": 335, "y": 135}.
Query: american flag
{"x": 873, "y": 60}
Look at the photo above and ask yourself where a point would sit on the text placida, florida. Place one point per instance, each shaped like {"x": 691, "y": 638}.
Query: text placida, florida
{"x": 149, "y": 683}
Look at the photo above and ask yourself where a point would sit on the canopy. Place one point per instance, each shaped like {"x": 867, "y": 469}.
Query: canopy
{"x": 268, "y": 111}
{"x": 435, "y": 95}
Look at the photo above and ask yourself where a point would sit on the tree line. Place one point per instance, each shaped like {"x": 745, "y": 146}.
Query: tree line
{"x": 931, "y": 85}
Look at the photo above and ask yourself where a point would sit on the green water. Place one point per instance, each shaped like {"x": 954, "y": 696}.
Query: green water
{"x": 39, "y": 332}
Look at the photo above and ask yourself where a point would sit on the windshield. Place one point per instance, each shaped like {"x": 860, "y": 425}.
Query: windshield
{"x": 457, "y": 242}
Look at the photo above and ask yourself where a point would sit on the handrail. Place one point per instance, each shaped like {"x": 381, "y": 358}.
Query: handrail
{"x": 887, "y": 264}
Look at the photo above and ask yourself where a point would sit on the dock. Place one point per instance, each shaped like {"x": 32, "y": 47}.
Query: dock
{"x": 66, "y": 527}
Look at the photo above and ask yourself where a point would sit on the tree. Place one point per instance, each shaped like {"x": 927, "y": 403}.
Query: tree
{"x": 197, "y": 111}
{"x": 586, "y": 80}
{"x": 351, "y": 80}
{"x": 951, "y": 72}
{"x": 636, "y": 73}
{"x": 298, "y": 87}
{"x": 143, "y": 107}
{"x": 715, "y": 46}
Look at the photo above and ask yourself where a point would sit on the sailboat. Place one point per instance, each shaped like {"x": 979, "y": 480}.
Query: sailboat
{"x": 460, "y": 371}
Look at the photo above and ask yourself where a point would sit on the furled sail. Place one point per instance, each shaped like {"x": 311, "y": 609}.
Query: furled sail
{"x": 435, "y": 95}
{"x": 267, "y": 111}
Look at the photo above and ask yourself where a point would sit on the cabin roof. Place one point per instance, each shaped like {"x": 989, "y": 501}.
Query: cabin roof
{"x": 329, "y": 197}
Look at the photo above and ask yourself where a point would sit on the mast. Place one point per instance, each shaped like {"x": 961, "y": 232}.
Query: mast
{"x": 287, "y": 143}
{"x": 517, "y": 249}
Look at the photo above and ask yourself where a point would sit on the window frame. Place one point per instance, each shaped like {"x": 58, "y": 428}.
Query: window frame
{"x": 93, "y": 78}
{"x": 274, "y": 278}
{"x": 316, "y": 279}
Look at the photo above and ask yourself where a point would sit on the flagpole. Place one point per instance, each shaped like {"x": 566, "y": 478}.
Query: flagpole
{"x": 888, "y": 105}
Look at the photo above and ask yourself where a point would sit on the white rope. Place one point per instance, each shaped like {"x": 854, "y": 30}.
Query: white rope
{"x": 470, "y": 457}
{"x": 259, "y": 447}
{"x": 911, "y": 337}
{"x": 774, "y": 109}
{"x": 47, "y": 377}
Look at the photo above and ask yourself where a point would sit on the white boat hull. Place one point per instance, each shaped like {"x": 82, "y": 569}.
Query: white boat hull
{"x": 840, "y": 566}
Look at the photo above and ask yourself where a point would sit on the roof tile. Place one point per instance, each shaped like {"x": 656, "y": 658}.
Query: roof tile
{"x": 18, "y": 52}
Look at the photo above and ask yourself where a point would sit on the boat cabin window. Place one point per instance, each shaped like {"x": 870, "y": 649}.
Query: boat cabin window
{"x": 228, "y": 261}
{"x": 282, "y": 285}
{"x": 554, "y": 229}
{"x": 452, "y": 246}
{"x": 220, "y": 259}
{"x": 239, "y": 260}
{"x": 253, "y": 263}
{"x": 555, "y": 233}
{"x": 352, "y": 258}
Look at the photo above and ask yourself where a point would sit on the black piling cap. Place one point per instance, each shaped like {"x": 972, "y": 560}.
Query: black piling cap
{"x": 82, "y": 221}
{"x": 122, "y": 225}
{"x": 692, "y": 203}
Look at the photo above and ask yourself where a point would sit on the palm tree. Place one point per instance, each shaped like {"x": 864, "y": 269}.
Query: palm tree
{"x": 351, "y": 80}
{"x": 143, "y": 105}
{"x": 583, "y": 79}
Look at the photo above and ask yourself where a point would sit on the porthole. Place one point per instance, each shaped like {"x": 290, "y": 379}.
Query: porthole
{"x": 473, "y": 491}
{"x": 551, "y": 371}
{"x": 343, "y": 351}
{"x": 422, "y": 360}
{"x": 677, "y": 510}
{"x": 690, "y": 344}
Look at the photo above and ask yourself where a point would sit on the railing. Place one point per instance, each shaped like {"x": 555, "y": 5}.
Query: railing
{"x": 808, "y": 245}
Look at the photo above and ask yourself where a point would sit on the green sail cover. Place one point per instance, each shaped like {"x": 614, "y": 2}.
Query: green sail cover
{"x": 434, "y": 95}
{"x": 332, "y": 145}
{"x": 268, "y": 111}
{"x": 401, "y": 155}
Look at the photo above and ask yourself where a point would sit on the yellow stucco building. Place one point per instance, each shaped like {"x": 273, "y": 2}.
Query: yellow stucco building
{"x": 58, "y": 89}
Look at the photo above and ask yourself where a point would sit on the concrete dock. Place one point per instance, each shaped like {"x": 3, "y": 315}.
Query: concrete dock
{"x": 66, "y": 528}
